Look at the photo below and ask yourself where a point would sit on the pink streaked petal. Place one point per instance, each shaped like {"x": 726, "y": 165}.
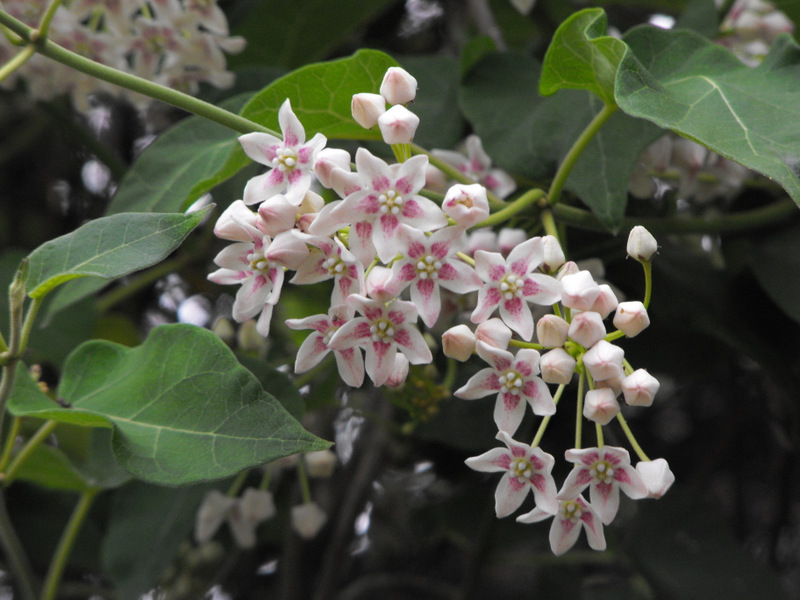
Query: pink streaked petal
{"x": 361, "y": 243}
{"x": 483, "y": 383}
{"x": 577, "y": 481}
{"x": 508, "y": 412}
{"x": 563, "y": 535}
{"x": 425, "y": 294}
{"x": 351, "y": 366}
{"x": 423, "y": 214}
{"x": 538, "y": 396}
{"x": 353, "y": 333}
{"x": 526, "y": 257}
{"x": 380, "y": 361}
{"x": 526, "y": 362}
{"x": 319, "y": 323}
{"x": 250, "y": 298}
{"x": 500, "y": 359}
{"x": 311, "y": 352}
{"x": 373, "y": 170}
{"x": 412, "y": 344}
{"x": 327, "y": 222}
{"x": 228, "y": 276}
{"x": 344, "y": 286}
{"x": 594, "y": 529}
{"x": 517, "y": 315}
{"x": 459, "y": 277}
{"x": 234, "y": 257}
{"x": 292, "y": 130}
{"x": 494, "y": 460}
{"x": 264, "y": 186}
{"x": 509, "y": 495}
{"x": 542, "y": 289}
{"x": 411, "y": 175}
{"x": 544, "y": 491}
{"x": 260, "y": 147}
{"x": 490, "y": 266}
{"x": 630, "y": 482}
{"x": 488, "y": 300}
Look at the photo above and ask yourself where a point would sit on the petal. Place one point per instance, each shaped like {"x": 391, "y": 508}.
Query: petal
{"x": 353, "y": 333}
{"x": 292, "y": 130}
{"x": 411, "y": 343}
{"x": 380, "y": 361}
{"x": 517, "y": 315}
{"x": 425, "y": 294}
{"x": 311, "y": 352}
{"x": 483, "y": 383}
{"x": 605, "y": 500}
{"x": 509, "y": 495}
{"x": 260, "y": 147}
{"x": 525, "y": 257}
{"x": 538, "y": 396}
{"x": 509, "y": 409}
{"x": 494, "y": 460}
{"x": 541, "y": 289}
{"x": 251, "y": 298}
{"x": 563, "y": 535}
{"x": 351, "y": 366}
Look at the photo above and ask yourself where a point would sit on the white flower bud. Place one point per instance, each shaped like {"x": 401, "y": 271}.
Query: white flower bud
{"x": 366, "y": 108}
{"x": 614, "y": 384}
{"x": 328, "y": 159}
{"x": 553, "y": 255}
{"x": 320, "y": 464}
{"x": 557, "y": 366}
{"x": 287, "y": 249}
{"x": 657, "y": 476}
{"x": 399, "y": 371}
{"x": 377, "y": 287}
{"x": 277, "y": 215}
{"x": 398, "y": 86}
{"x": 458, "y": 342}
{"x": 253, "y": 507}
{"x": 600, "y": 406}
{"x": 631, "y": 318}
{"x": 398, "y": 125}
{"x": 312, "y": 203}
{"x": 466, "y": 204}
{"x": 493, "y": 332}
{"x": 509, "y": 238}
{"x": 604, "y": 361}
{"x": 308, "y": 519}
{"x": 641, "y": 244}
{"x": 551, "y": 331}
{"x": 639, "y": 388}
{"x": 230, "y": 223}
{"x": 568, "y": 268}
{"x": 587, "y": 329}
{"x": 212, "y": 512}
{"x": 579, "y": 290}
{"x": 606, "y": 301}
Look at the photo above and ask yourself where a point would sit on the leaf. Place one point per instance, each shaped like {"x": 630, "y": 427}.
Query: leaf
{"x": 181, "y": 165}
{"x": 321, "y": 94}
{"x": 49, "y": 467}
{"x": 681, "y": 81}
{"x": 109, "y": 247}
{"x": 581, "y": 56}
{"x": 182, "y": 407}
{"x": 775, "y": 262}
{"x": 700, "y": 16}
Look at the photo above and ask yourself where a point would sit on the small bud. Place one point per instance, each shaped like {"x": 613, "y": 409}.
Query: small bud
{"x": 287, "y": 249}
{"x": 224, "y": 330}
{"x": 253, "y": 507}
{"x": 568, "y": 268}
{"x": 366, "y": 108}
{"x": 639, "y": 388}
{"x": 399, "y": 372}
{"x": 600, "y": 406}
{"x": 398, "y": 125}
{"x": 493, "y": 332}
{"x": 466, "y": 204}
{"x": 212, "y": 512}
{"x": 248, "y": 338}
{"x": 551, "y": 331}
{"x": 458, "y": 342}
{"x": 604, "y": 361}
{"x": 614, "y": 384}
{"x": 378, "y": 282}
{"x": 657, "y": 476}
{"x": 579, "y": 290}
{"x": 641, "y": 244}
{"x": 587, "y": 329}
{"x": 328, "y": 159}
{"x": 308, "y": 519}
{"x": 277, "y": 215}
{"x": 631, "y": 318}
{"x": 557, "y": 366}
{"x": 320, "y": 464}
{"x": 606, "y": 301}
{"x": 553, "y": 255}
{"x": 398, "y": 86}
{"x": 232, "y": 223}
{"x": 312, "y": 203}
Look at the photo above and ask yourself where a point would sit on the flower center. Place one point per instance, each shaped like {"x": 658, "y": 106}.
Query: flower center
{"x": 511, "y": 382}
{"x": 571, "y": 511}
{"x": 511, "y": 286}
{"x": 521, "y": 468}
{"x": 602, "y": 471}
{"x": 285, "y": 159}
{"x": 258, "y": 262}
{"x": 428, "y": 266}
{"x": 465, "y": 201}
{"x": 390, "y": 202}
{"x": 381, "y": 329}
{"x": 335, "y": 265}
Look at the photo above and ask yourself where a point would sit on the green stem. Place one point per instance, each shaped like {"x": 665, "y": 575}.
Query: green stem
{"x": 132, "y": 82}
{"x": 629, "y": 434}
{"x": 20, "y": 58}
{"x": 546, "y": 419}
{"x": 554, "y": 194}
{"x": 549, "y": 224}
{"x": 599, "y": 431}
{"x": 579, "y": 412}
{"x": 450, "y": 374}
{"x": 509, "y": 210}
{"x": 44, "y": 23}
{"x": 466, "y": 258}
{"x": 15, "y": 554}
{"x": 65, "y": 544}
{"x": 521, "y": 344}
{"x": 33, "y": 442}
{"x": 302, "y": 477}
{"x": 141, "y": 281}
{"x": 648, "y": 282}
{"x": 237, "y": 484}
{"x": 13, "y": 432}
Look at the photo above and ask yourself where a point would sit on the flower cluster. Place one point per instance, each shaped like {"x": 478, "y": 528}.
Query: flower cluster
{"x": 381, "y": 241}
{"x": 750, "y": 27}
{"x": 177, "y": 43}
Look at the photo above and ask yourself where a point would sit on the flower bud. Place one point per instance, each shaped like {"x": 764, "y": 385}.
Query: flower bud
{"x": 287, "y": 249}
{"x": 399, "y": 371}
{"x": 568, "y": 268}
{"x": 320, "y": 464}
{"x": 657, "y": 476}
{"x": 328, "y": 159}
{"x": 312, "y": 203}
{"x": 557, "y": 366}
{"x": 551, "y": 331}
{"x": 600, "y": 406}
{"x": 481, "y": 239}
{"x": 308, "y": 519}
{"x": 631, "y": 318}
{"x": 579, "y": 290}
{"x": 458, "y": 342}
{"x": 639, "y": 388}
{"x": 509, "y": 238}
{"x": 604, "y": 361}
{"x": 398, "y": 86}
{"x": 212, "y": 512}
{"x": 398, "y": 125}
{"x": 641, "y": 244}
{"x": 605, "y": 302}
{"x": 466, "y": 204}
{"x": 366, "y": 108}
{"x": 493, "y": 332}
{"x": 378, "y": 284}
{"x": 614, "y": 384}
{"x": 277, "y": 215}
{"x": 253, "y": 507}
{"x": 553, "y": 255}
{"x": 587, "y": 329}
{"x": 230, "y": 223}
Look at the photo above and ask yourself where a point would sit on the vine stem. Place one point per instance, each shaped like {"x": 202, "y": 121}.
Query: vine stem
{"x": 15, "y": 554}
{"x": 509, "y": 210}
{"x": 20, "y": 58}
{"x": 579, "y": 412}
{"x": 546, "y": 419}
{"x": 132, "y": 82}
{"x": 629, "y": 434}
{"x": 35, "y": 440}
{"x": 554, "y": 194}
{"x": 65, "y": 544}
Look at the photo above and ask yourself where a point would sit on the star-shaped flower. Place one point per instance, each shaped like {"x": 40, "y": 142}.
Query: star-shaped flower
{"x": 572, "y": 514}
{"x": 329, "y": 259}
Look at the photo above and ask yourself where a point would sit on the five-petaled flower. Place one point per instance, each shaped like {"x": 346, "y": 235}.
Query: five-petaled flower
{"x": 571, "y": 515}
{"x": 526, "y": 469}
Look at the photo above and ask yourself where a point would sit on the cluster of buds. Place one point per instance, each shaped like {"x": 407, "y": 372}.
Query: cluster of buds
{"x": 382, "y": 241}
{"x": 397, "y": 124}
{"x": 177, "y": 43}
{"x": 750, "y": 27}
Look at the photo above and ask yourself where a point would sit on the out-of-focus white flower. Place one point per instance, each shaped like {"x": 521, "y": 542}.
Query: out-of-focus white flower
{"x": 308, "y": 519}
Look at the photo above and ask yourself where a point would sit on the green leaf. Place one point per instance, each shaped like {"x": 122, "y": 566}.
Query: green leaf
{"x": 108, "y": 248}
{"x": 181, "y": 165}
{"x": 321, "y": 94}
{"x": 182, "y": 407}
{"x": 700, "y": 16}
{"x": 49, "y": 467}
{"x": 581, "y": 56}
{"x": 775, "y": 261}
{"x": 681, "y": 81}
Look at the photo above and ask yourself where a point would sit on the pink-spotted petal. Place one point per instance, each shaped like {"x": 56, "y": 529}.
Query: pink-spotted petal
{"x": 483, "y": 383}
{"x": 509, "y": 409}
{"x": 509, "y": 495}
{"x": 492, "y": 461}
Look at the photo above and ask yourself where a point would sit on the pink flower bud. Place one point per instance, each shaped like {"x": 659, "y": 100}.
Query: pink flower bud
{"x": 288, "y": 250}
{"x": 466, "y": 204}
{"x": 377, "y": 287}
{"x": 551, "y": 331}
{"x": 657, "y": 476}
{"x": 458, "y": 342}
{"x": 398, "y": 125}
{"x": 639, "y": 388}
{"x": 557, "y": 366}
{"x": 327, "y": 160}
{"x": 606, "y": 301}
{"x": 587, "y": 329}
{"x": 399, "y": 371}
{"x": 277, "y": 215}
{"x": 320, "y": 464}
{"x": 604, "y": 361}
{"x": 509, "y": 238}
{"x": 579, "y": 290}
{"x": 568, "y": 268}
{"x": 312, "y": 203}
{"x": 553, "y": 255}
{"x": 366, "y": 108}
{"x": 600, "y": 406}
{"x": 308, "y": 519}
{"x": 641, "y": 244}
{"x": 493, "y": 332}
{"x": 398, "y": 86}
{"x": 631, "y": 318}
{"x": 229, "y": 225}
